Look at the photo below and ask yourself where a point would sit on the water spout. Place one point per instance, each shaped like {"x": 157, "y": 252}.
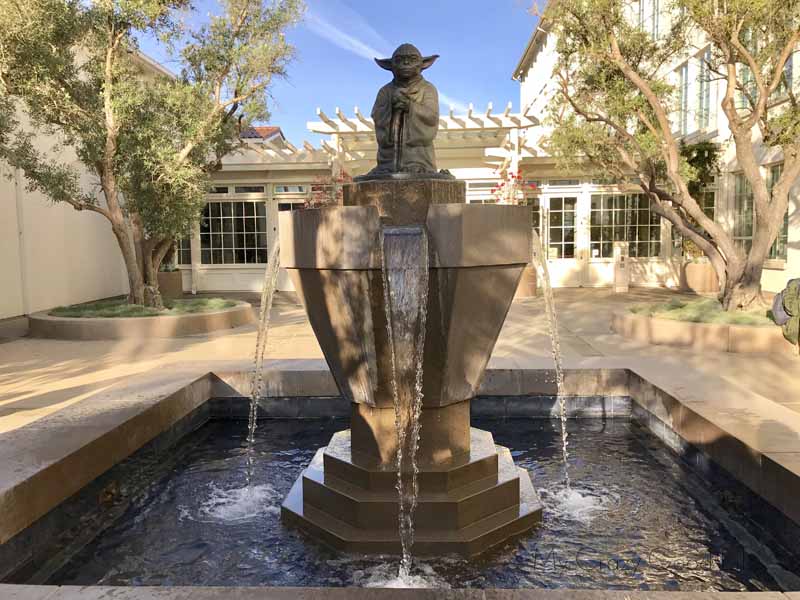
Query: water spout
{"x": 405, "y": 288}
{"x": 257, "y": 381}
{"x": 540, "y": 258}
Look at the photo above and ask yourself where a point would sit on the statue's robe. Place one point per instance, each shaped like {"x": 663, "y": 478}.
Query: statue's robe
{"x": 419, "y": 130}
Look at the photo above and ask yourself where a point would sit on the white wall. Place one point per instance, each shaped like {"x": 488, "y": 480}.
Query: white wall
{"x": 52, "y": 255}
{"x": 11, "y": 300}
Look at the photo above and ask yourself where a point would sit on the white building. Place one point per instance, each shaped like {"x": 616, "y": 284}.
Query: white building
{"x": 589, "y": 215}
{"x": 578, "y": 216}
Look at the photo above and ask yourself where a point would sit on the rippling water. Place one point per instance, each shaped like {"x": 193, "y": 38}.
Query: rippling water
{"x": 634, "y": 518}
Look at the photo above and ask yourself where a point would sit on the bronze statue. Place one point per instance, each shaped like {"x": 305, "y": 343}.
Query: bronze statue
{"x": 406, "y": 115}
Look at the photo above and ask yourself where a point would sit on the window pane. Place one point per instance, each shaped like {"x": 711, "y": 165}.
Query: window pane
{"x": 225, "y": 239}
{"x": 249, "y": 189}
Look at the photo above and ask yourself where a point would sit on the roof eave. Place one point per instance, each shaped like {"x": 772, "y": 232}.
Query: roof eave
{"x": 540, "y": 30}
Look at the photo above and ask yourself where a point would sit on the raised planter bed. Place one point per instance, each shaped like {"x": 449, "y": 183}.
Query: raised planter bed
{"x": 44, "y": 325}
{"x": 741, "y": 339}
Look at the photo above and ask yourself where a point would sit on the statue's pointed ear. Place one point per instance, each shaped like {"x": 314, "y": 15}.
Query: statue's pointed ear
{"x": 384, "y": 63}
{"x": 428, "y": 61}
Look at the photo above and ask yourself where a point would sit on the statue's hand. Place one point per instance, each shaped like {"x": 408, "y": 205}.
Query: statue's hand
{"x": 401, "y": 101}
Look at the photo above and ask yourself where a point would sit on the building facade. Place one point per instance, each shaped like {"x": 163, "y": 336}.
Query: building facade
{"x": 54, "y": 255}
{"x": 592, "y": 213}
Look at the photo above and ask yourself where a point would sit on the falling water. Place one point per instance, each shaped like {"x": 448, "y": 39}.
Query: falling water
{"x": 541, "y": 259}
{"x": 257, "y": 381}
{"x": 405, "y": 288}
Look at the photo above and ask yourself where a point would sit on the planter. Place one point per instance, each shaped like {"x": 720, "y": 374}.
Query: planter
{"x": 528, "y": 284}
{"x": 738, "y": 339}
{"x": 43, "y": 325}
{"x": 170, "y": 284}
{"x": 699, "y": 277}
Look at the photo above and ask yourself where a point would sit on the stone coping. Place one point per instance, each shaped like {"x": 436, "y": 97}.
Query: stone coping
{"x": 43, "y": 325}
{"x": 42, "y": 464}
{"x": 27, "y": 592}
{"x": 742, "y": 339}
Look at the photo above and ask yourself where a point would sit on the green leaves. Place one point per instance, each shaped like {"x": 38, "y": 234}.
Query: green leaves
{"x": 168, "y": 135}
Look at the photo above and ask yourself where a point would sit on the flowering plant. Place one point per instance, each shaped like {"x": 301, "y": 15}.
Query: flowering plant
{"x": 327, "y": 189}
{"x": 511, "y": 188}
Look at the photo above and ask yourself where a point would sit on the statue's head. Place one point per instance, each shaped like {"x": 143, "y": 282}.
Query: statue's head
{"x": 407, "y": 62}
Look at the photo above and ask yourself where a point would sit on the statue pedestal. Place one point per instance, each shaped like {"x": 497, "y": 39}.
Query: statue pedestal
{"x": 471, "y": 494}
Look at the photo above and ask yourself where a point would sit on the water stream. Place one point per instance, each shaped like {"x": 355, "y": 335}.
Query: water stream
{"x": 405, "y": 288}
{"x": 257, "y": 381}
{"x": 540, "y": 258}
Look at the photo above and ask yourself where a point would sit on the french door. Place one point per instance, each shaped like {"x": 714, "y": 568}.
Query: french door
{"x": 565, "y": 238}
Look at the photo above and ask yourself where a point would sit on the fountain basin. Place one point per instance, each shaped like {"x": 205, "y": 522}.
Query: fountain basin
{"x": 647, "y": 519}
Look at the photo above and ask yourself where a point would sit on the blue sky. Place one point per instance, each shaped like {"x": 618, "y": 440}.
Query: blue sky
{"x": 480, "y": 43}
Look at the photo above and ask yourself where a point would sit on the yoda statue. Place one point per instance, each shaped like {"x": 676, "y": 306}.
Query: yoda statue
{"x": 406, "y": 116}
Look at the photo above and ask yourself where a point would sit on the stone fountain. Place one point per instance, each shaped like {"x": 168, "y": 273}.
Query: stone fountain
{"x": 407, "y": 287}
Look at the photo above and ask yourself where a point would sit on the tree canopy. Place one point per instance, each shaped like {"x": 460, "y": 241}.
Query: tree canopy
{"x": 73, "y": 71}
{"x": 619, "y": 107}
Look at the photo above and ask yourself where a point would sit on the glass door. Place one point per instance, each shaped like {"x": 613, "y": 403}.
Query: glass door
{"x": 565, "y": 250}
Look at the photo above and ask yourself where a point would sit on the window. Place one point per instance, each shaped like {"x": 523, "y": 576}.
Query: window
{"x": 481, "y": 192}
{"x": 249, "y": 189}
{"x": 536, "y": 212}
{"x": 788, "y": 78}
{"x": 283, "y": 206}
{"x": 289, "y": 189}
{"x": 708, "y": 202}
{"x": 704, "y": 92}
{"x": 743, "y": 212}
{"x": 707, "y": 199}
{"x": 563, "y": 182}
{"x": 233, "y": 233}
{"x": 624, "y": 218}
{"x": 184, "y": 253}
{"x": 648, "y": 16}
{"x": 683, "y": 111}
{"x": 218, "y": 189}
{"x": 778, "y": 251}
{"x": 746, "y": 79}
{"x": 561, "y": 228}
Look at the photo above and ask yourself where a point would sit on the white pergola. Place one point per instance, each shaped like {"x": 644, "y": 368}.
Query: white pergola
{"x": 473, "y": 139}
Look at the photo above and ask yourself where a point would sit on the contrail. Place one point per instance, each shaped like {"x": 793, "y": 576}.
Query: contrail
{"x": 338, "y": 37}
{"x": 448, "y": 101}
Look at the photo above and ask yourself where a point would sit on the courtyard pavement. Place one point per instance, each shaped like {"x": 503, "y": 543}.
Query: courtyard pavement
{"x": 39, "y": 377}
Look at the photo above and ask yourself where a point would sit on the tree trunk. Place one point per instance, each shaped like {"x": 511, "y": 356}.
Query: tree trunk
{"x": 742, "y": 289}
{"x": 135, "y": 278}
{"x": 744, "y": 294}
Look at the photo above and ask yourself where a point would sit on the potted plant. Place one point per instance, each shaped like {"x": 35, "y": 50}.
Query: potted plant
{"x": 170, "y": 278}
{"x": 698, "y": 276}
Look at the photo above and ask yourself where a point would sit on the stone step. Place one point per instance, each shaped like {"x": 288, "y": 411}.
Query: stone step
{"x": 467, "y": 541}
{"x": 480, "y": 464}
{"x": 454, "y": 509}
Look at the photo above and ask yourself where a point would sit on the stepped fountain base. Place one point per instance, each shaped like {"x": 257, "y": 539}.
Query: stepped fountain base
{"x": 466, "y": 505}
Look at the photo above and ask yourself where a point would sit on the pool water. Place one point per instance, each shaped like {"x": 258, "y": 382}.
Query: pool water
{"x": 636, "y": 517}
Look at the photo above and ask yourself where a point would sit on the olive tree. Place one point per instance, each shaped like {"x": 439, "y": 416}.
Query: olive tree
{"x": 617, "y": 107}
{"x": 71, "y": 69}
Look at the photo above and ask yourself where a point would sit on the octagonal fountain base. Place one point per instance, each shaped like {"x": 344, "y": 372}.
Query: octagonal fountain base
{"x": 465, "y": 506}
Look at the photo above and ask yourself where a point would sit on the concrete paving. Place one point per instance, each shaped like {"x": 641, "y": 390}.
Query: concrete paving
{"x": 753, "y": 397}
{"x": 39, "y": 377}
